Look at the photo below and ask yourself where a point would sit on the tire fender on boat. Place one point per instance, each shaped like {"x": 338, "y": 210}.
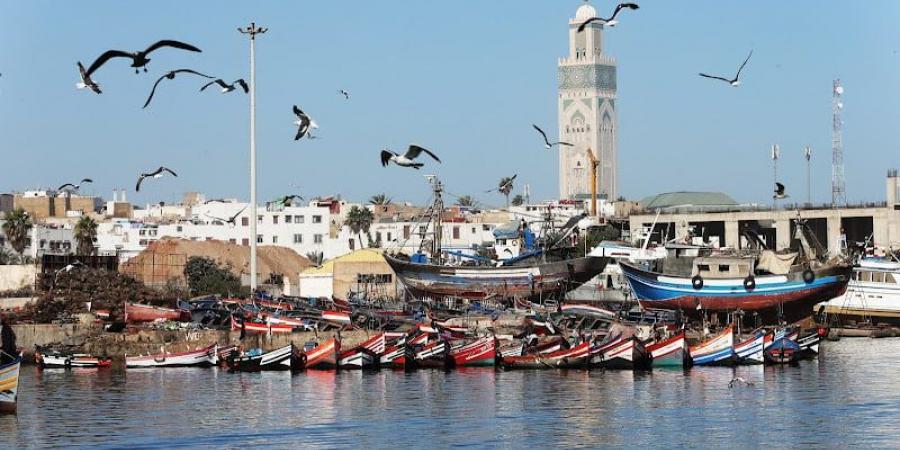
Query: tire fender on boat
{"x": 809, "y": 276}
{"x": 750, "y": 283}
{"x": 697, "y": 282}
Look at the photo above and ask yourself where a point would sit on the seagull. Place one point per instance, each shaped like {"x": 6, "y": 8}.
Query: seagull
{"x": 547, "y": 142}
{"x": 139, "y": 58}
{"x": 344, "y": 93}
{"x": 155, "y": 174}
{"x": 779, "y": 192}
{"x": 734, "y": 81}
{"x": 738, "y": 380}
{"x": 171, "y": 75}
{"x": 231, "y": 220}
{"x": 86, "y": 81}
{"x": 286, "y": 200}
{"x": 612, "y": 20}
{"x": 75, "y": 187}
{"x": 68, "y": 268}
{"x": 406, "y": 160}
{"x": 304, "y": 123}
{"x": 228, "y": 87}
{"x": 504, "y": 186}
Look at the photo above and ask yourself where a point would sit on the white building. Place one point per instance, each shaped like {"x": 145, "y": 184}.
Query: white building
{"x": 587, "y": 111}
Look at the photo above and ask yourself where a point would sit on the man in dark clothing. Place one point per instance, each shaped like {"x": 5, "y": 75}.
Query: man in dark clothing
{"x": 7, "y": 342}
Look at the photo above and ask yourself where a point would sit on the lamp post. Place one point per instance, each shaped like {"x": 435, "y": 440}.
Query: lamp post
{"x": 252, "y": 31}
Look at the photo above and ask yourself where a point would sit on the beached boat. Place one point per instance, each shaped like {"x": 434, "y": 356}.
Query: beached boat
{"x": 669, "y": 352}
{"x": 750, "y": 350}
{"x": 57, "y": 360}
{"x": 136, "y": 312}
{"x": 715, "y": 351}
{"x": 9, "y": 385}
{"x": 259, "y": 327}
{"x": 481, "y": 352}
{"x": 207, "y": 356}
{"x": 574, "y": 357}
{"x": 624, "y": 353}
{"x": 323, "y": 356}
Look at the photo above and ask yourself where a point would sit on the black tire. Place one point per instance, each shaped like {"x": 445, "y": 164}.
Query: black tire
{"x": 750, "y": 283}
{"x": 809, "y": 276}
{"x": 697, "y": 282}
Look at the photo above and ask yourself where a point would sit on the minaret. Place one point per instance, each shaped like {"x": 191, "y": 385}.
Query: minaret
{"x": 587, "y": 111}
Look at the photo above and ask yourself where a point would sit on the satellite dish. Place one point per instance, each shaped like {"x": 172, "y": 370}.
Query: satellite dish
{"x": 839, "y": 90}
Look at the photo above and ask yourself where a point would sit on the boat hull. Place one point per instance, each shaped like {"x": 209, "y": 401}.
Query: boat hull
{"x": 482, "y": 352}
{"x": 526, "y": 281}
{"x": 9, "y": 385}
{"x": 716, "y": 351}
{"x": 575, "y": 357}
{"x": 202, "y": 357}
{"x": 669, "y": 352}
{"x": 750, "y": 351}
{"x": 70, "y": 361}
{"x": 136, "y": 313}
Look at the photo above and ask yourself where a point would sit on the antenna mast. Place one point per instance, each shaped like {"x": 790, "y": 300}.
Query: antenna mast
{"x": 838, "y": 184}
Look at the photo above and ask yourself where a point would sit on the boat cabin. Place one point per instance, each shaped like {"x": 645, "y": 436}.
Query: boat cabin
{"x": 877, "y": 270}
{"x": 723, "y": 267}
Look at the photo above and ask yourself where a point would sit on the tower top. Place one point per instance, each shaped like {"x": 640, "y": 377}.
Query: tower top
{"x": 585, "y": 11}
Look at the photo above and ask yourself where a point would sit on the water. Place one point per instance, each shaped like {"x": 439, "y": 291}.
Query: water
{"x": 848, "y": 397}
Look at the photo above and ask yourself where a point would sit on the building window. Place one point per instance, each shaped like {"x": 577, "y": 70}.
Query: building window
{"x": 473, "y": 230}
{"x": 317, "y": 219}
{"x": 259, "y": 239}
{"x": 351, "y": 243}
{"x": 405, "y": 231}
{"x": 298, "y": 238}
{"x": 455, "y": 232}
{"x": 233, "y": 241}
{"x": 274, "y": 239}
{"x": 485, "y": 228}
{"x": 317, "y": 238}
{"x": 245, "y": 242}
{"x": 245, "y": 221}
{"x": 287, "y": 219}
{"x": 275, "y": 220}
{"x": 178, "y": 228}
{"x": 298, "y": 219}
{"x": 142, "y": 242}
{"x": 377, "y": 236}
{"x": 389, "y": 237}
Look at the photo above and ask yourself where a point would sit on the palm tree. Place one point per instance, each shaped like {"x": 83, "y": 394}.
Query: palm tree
{"x": 505, "y": 187}
{"x": 85, "y": 235}
{"x": 380, "y": 199}
{"x": 316, "y": 258}
{"x": 466, "y": 201}
{"x": 518, "y": 200}
{"x": 359, "y": 220}
{"x": 16, "y": 228}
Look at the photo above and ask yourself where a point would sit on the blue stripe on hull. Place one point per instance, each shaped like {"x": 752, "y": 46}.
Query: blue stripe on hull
{"x": 647, "y": 290}
{"x": 723, "y": 356}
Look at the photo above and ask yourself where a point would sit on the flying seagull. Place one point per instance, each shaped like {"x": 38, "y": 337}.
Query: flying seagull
{"x": 86, "y": 81}
{"x": 286, "y": 200}
{"x": 505, "y": 186}
{"x": 171, "y": 75}
{"x": 344, "y": 93}
{"x": 304, "y": 123}
{"x": 139, "y": 58}
{"x": 231, "y": 220}
{"x": 734, "y": 81}
{"x": 779, "y": 192}
{"x": 547, "y": 142}
{"x": 739, "y": 381}
{"x": 228, "y": 87}
{"x": 155, "y": 174}
{"x": 73, "y": 186}
{"x": 407, "y": 159}
{"x": 611, "y": 21}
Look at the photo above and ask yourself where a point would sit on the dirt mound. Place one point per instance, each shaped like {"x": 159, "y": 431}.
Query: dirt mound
{"x": 165, "y": 259}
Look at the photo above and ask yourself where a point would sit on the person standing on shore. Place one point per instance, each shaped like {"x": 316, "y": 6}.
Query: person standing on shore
{"x": 7, "y": 342}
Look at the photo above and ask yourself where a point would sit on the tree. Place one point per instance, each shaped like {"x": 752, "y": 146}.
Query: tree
{"x": 380, "y": 199}
{"x": 316, "y": 258}
{"x": 359, "y": 220}
{"x": 85, "y": 235}
{"x": 205, "y": 276}
{"x": 16, "y": 228}
{"x": 518, "y": 200}
{"x": 466, "y": 201}
{"x": 505, "y": 187}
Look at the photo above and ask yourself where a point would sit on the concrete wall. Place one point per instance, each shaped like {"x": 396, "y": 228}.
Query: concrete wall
{"x": 319, "y": 285}
{"x": 15, "y": 277}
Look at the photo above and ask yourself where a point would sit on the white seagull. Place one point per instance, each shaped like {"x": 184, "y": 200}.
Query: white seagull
{"x": 611, "y": 21}
{"x": 304, "y": 123}
{"x": 86, "y": 81}
{"x": 74, "y": 187}
{"x": 408, "y": 158}
{"x": 155, "y": 174}
{"x": 779, "y": 192}
{"x": 139, "y": 58}
{"x": 734, "y": 81}
{"x": 231, "y": 220}
{"x": 547, "y": 144}
{"x": 228, "y": 87}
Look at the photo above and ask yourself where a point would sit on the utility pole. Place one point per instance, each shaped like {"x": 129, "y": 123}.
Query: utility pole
{"x": 807, "y": 153}
{"x": 252, "y": 31}
{"x": 838, "y": 184}
{"x": 776, "y": 153}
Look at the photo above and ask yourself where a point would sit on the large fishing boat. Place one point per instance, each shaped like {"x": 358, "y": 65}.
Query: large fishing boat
{"x": 545, "y": 267}
{"x": 872, "y": 293}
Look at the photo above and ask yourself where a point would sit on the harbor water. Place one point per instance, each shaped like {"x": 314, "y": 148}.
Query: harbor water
{"x": 847, "y": 397}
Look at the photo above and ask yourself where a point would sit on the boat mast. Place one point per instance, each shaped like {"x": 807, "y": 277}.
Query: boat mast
{"x": 437, "y": 210}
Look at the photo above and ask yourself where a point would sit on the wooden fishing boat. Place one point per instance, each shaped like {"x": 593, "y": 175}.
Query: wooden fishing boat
{"x": 809, "y": 344}
{"x": 394, "y": 357}
{"x": 626, "y": 353}
{"x": 435, "y": 355}
{"x": 260, "y": 328}
{"x": 365, "y": 355}
{"x": 9, "y": 385}
{"x": 715, "y": 351}
{"x": 338, "y": 317}
{"x": 481, "y": 352}
{"x": 780, "y": 349}
{"x": 669, "y": 352}
{"x": 750, "y": 350}
{"x": 514, "y": 349}
{"x": 324, "y": 356}
{"x": 574, "y": 357}
{"x": 207, "y": 356}
{"x": 278, "y": 359}
{"x": 136, "y": 312}
{"x": 56, "y": 360}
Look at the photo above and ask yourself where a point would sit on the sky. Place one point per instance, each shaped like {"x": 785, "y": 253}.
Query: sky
{"x": 465, "y": 79}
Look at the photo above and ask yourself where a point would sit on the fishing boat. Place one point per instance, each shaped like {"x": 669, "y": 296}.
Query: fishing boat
{"x": 324, "y": 356}
{"x": 873, "y": 293}
{"x": 259, "y": 327}
{"x": 780, "y": 349}
{"x": 809, "y": 344}
{"x": 394, "y": 357}
{"x": 574, "y": 357}
{"x": 365, "y": 355}
{"x": 207, "y": 356}
{"x": 338, "y": 317}
{"x": 481, "y": 352}
{"x": 279, "y": 359}
{"x": 9, "y": 385}
{"x": 136, "y": 312}
{"x": 46, "y": 360}
{"x": 669, "y": 352}
{"x": 715, "y": 351}
{"x": 624, "y": 353}
{"x": 435, "y": 355}
{"x": 750, "y": 350}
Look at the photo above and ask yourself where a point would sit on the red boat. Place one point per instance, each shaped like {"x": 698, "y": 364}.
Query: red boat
{"x": 258, "y": 328}
{"x": 136, "y": 312}
{"x": 482, "y": 352}
{"x": 339, "y": 317}
{"x": 365, "y": 355}
{"x": 620, "y": 353}
{"x": 264, "y": 303}
{"x": 568, "y": 358}
{"x": 324, "y": 356}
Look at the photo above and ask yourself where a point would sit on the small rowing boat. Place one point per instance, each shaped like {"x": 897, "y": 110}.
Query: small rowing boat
{"x": 715, "y": 351}
{"x": 136, "y": 312}
{"x": 668, "y": 352}
{"x": 574, "y": 357}
{"x": 323, "y": 356}
{"x": 202, "y": 357}
{"x": 57, "y": 360}
{"x": 481, "y": 352}
{"x": 9, "y": 385}
{"x": 750, "y": 350}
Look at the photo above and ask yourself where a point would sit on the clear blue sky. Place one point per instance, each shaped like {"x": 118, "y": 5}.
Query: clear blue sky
{"x": 464, "y": 78}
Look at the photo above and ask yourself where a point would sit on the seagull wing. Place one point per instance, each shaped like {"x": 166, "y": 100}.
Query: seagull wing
{"x": 298, "y": 112}
{"x": 586, "y": 22}
{"x": 166, "y": 169}
{"x": 546, "y": 141}
{"x": 153, "y": 91}
{"x": 86, "y": 180}
{"x": 622, "y": 6}
{"x": 137, "y": 188}
{"x": 218, "y": 81}
{"x": 106, "y": 56}
{"x": 243, "y": 85}
{"x": 513, "y": 177}
{"x": 414, "y": 152}
{"x": 194, "y": 72}
{"x": 565, "y": 143}
{"x": 171, "y": 43}
{"x": 742, "y": 65}
{"x": 217, "y": 218}
{"x": 386, "y": 157}
{"x": 65, "y": 186}
{"x": 238, "y": 213}
{"x": 715, "y": 77}
{"x": 779, "y": 188}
